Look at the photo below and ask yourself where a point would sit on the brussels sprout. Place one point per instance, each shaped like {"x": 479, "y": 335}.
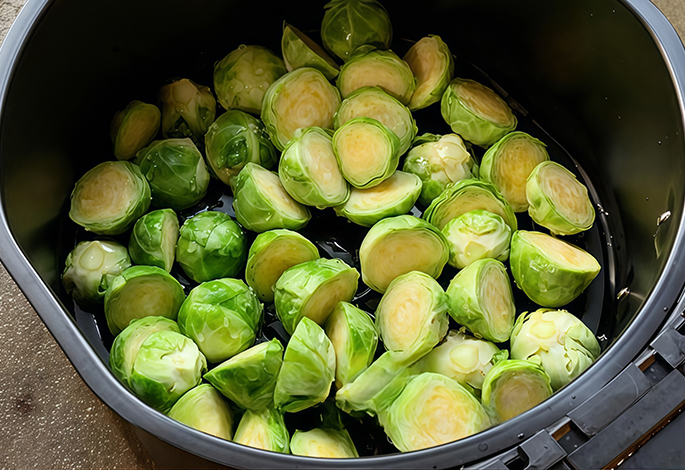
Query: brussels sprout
{"x": 354, "y": 338}
{"x": 263, "y": 429}
{"x": 167, "y": 365}
{"x": 234, "y": 139}
{"x": 312, "y": 290}
{"x": 368, "y": 66}
{"x": 465, "y": 196}
{"x": 432, "y": 410}
{"x": 188, "y": 109}
{"x": 558, "y": 200}
{"x": 431, "y": 62}
{"x": 261, "y": 203}
{"x": 476, "y": 113}
{"x": 398, "y": 245}
{"x": 309, "y": 170}
{"x": 373, "y": 102}
{"x": 367, "y": 152}
{"x": 222, "y": 317}
{"x": 509, "y": 162}
{"x": 439, "y": 161}
{"x": 108, "y": 199}
{"x": 271, "y": 254}
{"x": 561, "y": 342}
{"x": 133, "y": 128}
{"x": 323, "y": 442}
{"x": 211, "y": 246}
{"x": 300, "y": 51}
{"x": 308, "y": 369}
{"x": 550, "y": 271}
{"x": 463, "y": 358}
{"x": 127, "y": 343}
{"x": 153, "y": 239}
{"x": 91, "y": 267}
{"x": 514, "y": 386}
{"x": 301, "y": 98}
{"x": 243, "y": 76}
{"x": 412, "y": 315}
{"x": 477, "y": 235}
{"x": 176, "y": 172}
{"x": 249, "y": 378}
{"x": 394, "y": 196}
{"x": 139, "y": 292}
{"x": 481, "y": 299}
{"x": 204, "y": 409}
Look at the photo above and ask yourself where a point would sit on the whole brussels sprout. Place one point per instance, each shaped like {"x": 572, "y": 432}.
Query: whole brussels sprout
{"x": 153, "y": 239}
{"x": 176, "y": 172}
{"x": 188, "y": 109}
{"x": 476, "y": 113}
{"x": 91, "y": 267}
{"x": 550, "y": 271}
{"x": 264, "y": 429}
{"x": 477, "y": 235}
{"x": 204, "y": 409}
{"x": 243, "y": 76}
{"x": 211, "y": 246}
{"x": 235, "y": 139}
{"x": 109, "y": 198}
{"x": 431, "y": 63}
{"x": 563, "y": 345}
{"x": 133, "y": 128}
{"x": 222, "y": 317}
{"x": 300, "y": 51}
{"x": 323, "y": 442}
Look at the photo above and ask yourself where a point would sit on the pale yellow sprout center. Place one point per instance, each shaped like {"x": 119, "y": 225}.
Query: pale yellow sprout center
{"x": 442, "y": 416}
{"x": 322, "y": 165}
{"x": 562, "y": 252}
{"x": 381, "y": 108}
{"x": 485, "y": 103}
{"x": 404, "y": 314}
{"x": 371, "y": 199}
{"x": 92, "y": 257}
{"x": 475, "y": 198}
{"x": 273, "y": 191}
{"x": 322, "y": 302}
{"x": 494, "y": 294}
{"x": 136, "y": 132}
{"x": 273, "y": 261}
{"x": 140, "y": 297}
{"x": 254, "y": 434}
{"x": 522, "y": 392}
{"x": 465, "y": 358}
{"x": 568, "y": 195}
{"x": 427, "y": 64}
{"x": 106, "y": 194}
{"x": 362, "y": 149}
{"x": 374, "y": 73}
{"x": 517, "y": 159}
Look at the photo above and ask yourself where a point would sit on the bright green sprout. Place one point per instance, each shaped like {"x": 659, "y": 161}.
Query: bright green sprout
{"x": 300, "y": 51}
{"x": 477, "y": 235}
{"x": 433, "y": 66}
{"x": 153, "y": 239}
{"x": 204, "y": 409}
{"x": 133, "y": 128}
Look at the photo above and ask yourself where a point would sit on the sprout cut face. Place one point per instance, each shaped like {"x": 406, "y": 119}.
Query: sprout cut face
{"x": 550, "y": 271}
{"x": 188, "y": 109}
{"x": 431, "y": 62}
{"x": 323, "y": 443}
{"x": 263, "y": 429}
{"x": 477, "y": 235}
{"x": 133, "y": 128}
{"x": 204, "y": 409}
{"x": 153, "y": 239}
{"x": 300, "y": 51}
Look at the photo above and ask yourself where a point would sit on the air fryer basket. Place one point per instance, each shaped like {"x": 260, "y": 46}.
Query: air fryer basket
{"x": 600, "y": 82}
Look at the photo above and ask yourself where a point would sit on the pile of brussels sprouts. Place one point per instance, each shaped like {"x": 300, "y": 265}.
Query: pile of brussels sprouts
{"x": 290, "y": 144}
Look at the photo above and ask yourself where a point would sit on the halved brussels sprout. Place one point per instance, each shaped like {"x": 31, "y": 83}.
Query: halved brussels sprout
{"x": 368, "y": 66}
{"x": 243, "y": 76}
{"x": 301, "y": 98}
{"x": 133, "y": 128}
{"x": 300, "y": 51}
{"x": 312, "y": 290}
{"x": 261, "y": 203}
{"x": 466, "y": 196}
{"x": 412, "y": 315}
{"x": 234, "y": 139}
{"x": 373, "y": 102}
{"x": 477, "y": 235}
{"x": 153, "y": 239}
{"x": 394, "y": 196}
{"x": 558, "y": 200}
{"x": 222, "y": 317}
{"x": 509, "y": 162}
{"x": 249, "y": 378}
{"x": 204, "y": 409}
{"x": 561, "y": 342}
{"x": 167, "y": 365}
{"x": 463, "y": 358}
{"x": 211, "y": 246}
{"x": 176, "y": 172}
{"x": 108, "y": 199}
{"x": 263, "y": 429}
{"x": 481, "y": 299}
{"x": 398, "y": 245}
{"x": 91, "y": 267}
{"x": 188, "y": 109}
{"x": 476, "y": 113}
{"x": 308, "y": 369}
{"x": 550, "y": 271}
{"x": 439, "y": 161}
{"x": 348, "y": 24}
{"x": 139, "y": 292}
{"x": 367, "y": 152}
{"x": 431, "y": 62}
{"x": 324, "y": 443}
{"x": 309, "y": 170}
{"x": 514, "y": 386}
{"x": 432, "y": 410}
{"x": 354, "y": 338}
